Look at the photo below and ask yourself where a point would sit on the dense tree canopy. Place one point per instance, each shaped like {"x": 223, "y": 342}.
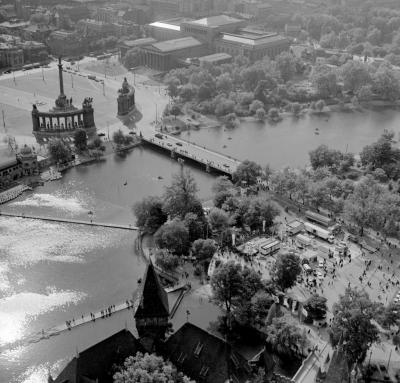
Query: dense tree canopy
{"x": 247, "y": 172}
{"x": 352, "y": 324}
{"x": 286, "y": 269}
{"x": 59, "y": 152}
{"x": 149, "y": 214}
{"x": 173, "y": 236}
{"x": 80, "y": 139}
{"x": 148, "y": 368}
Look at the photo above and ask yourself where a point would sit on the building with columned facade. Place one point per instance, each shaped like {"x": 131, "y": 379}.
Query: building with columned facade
{"x": 64, "y": 118}
{"x": 126, "y": 98}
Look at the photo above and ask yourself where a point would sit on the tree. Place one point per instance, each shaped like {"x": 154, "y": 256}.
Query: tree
{"x": 219, "y": 221}
{"x": 285, "y": 338}
{"x": 180, "y": 197}
{"x": 320, "y": 105}
{"x": 352, "y": 324}
{"x": 273, "y": 114}
{"x": 119, "y": 137}
{"x": 224, "y": 83}
{"x": 286, "y": 269}
{"x": 166, "y": 260}
{"x": 365, "y": 93}
{"x": 148, "y": 368}
{"x": 260, "y": 113}
{"x": 227, "y": 284}
{"x": 173, "y": 236}
{"x": 355, "y": 75}
{"x": 80, "y": 139}
{"x": 231, "y": 121}
{"x": 256, "y": 210}
{"x": 361, "y": 206}
{"x": 316, "y": 307}
{"x": 173, "y": 86}
{"x": 322, "y": 156}
{"x": 286, "y": 64}
{"x": 188, "y": 92}
{"x": 149, "y": 214}
{"x": 59, "y": 152}
{"x": 247, "y": 172}
{"x": 255, "y": 105}
{"x": 175, "y": 110}
{"x": 203, "y": 249}
{"x": 196, "y": 225}
{"x": 295, "y": 108}
{"x": 325, "y": 80}
{"x": 386, "y": 83}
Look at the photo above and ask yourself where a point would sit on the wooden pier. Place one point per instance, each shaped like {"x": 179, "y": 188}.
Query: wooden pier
{"x": 71, "y": 220}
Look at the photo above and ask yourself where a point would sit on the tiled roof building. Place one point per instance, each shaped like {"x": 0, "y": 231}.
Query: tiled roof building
{"x": 205, "y": 357}
{"x": 95, "y": 365}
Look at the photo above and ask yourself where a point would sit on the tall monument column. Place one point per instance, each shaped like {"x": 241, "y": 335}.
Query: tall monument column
{"x": 60, "y": 76}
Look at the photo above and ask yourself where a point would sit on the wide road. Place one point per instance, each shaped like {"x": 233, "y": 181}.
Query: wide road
{"x": 195, "y": 152}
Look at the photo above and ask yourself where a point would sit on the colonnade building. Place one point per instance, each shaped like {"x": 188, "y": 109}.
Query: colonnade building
{"x": 64, "y": 118}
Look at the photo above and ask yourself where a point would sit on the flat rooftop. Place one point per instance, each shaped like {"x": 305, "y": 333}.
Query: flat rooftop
{"x": 171, "y": 24}
{"x": 177, "y": 44}
{"x": 215, "y": 21}
{"x": 253, "y": 39}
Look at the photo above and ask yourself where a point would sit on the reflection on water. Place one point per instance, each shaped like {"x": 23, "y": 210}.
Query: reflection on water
{"x": 16, "y": 310}
{"x": 71, "y": 205}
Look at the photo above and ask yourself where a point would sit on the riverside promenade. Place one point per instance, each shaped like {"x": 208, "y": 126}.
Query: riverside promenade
{"x": 72, "y": 220}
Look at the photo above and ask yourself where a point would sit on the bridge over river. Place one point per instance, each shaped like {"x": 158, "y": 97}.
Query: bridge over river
{"x": 200, "y": 154}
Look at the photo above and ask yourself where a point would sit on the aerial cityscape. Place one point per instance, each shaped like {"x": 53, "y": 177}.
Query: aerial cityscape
{"x": 199, "y": 191}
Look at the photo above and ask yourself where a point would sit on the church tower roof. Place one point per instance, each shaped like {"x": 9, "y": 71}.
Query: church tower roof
{"x": 153, "y": 298}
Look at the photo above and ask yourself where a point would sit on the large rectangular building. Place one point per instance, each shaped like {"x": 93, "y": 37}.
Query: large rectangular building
{"x": 166, "y": 29}
{"x": 252, "y": 44}
{"x": 209, "y": 28}
{"x": 169, "y": 54}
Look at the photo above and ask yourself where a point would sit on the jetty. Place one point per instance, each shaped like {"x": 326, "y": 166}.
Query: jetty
{"x": 71, "y": 220}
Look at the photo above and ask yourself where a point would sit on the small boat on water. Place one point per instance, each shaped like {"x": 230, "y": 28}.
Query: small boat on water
{"x": 316, "y": 132}
{"x": 229, "y": 138}
{"x": 159, "y": 177}
{"x": 224, "y": 146}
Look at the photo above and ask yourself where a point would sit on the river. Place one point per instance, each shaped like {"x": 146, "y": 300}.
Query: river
{"x": 51, "y": 272}
{"x": 288, "y": 142}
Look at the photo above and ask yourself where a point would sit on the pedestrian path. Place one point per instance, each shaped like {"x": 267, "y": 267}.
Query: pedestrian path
{"x": 71, "y": 220}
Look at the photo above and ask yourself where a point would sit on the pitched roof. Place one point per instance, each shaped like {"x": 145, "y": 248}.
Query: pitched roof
{"x": 205, "y": 357}
{"x": 97, "y": 361}
{"x": 153, "y": 300}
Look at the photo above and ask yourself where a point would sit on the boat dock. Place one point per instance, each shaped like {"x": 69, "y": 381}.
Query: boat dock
{"x": 71, "y": 220}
